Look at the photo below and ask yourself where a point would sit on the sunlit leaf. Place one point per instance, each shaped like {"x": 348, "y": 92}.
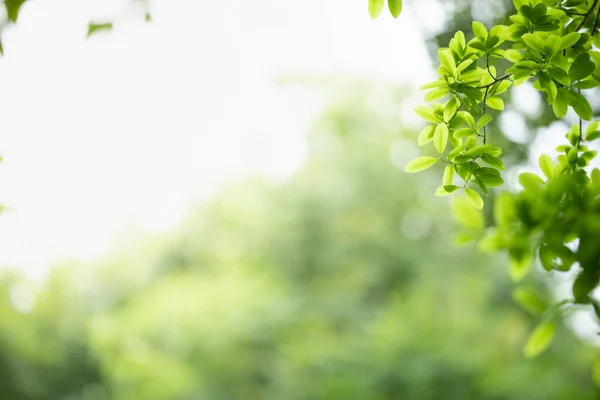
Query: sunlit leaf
{"x": 474, "y": 198}
{"x": 540, "y": 339}
{"x": 375, "y": 8}
{"x": 94, "y": 28}
{"x": 395, "y": 7}
{"x": 420, "y": 164}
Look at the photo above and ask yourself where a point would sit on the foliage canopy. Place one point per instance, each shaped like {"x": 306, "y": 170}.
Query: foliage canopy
{"x": 555, "y": 215}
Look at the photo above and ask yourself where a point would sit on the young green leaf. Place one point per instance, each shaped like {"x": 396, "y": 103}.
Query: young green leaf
{"x": 484, "y": 120}
{"x": 447, "y": 60}
{"x": 530, "y": 182}
{"x": 540, "y": 339}
{"x": 533, "y": 41}
{"x": 474, "y": 198}
{"x": 592, "y": 126}
{"x": 420, "y": 164}
{"x": 581, "y": 68}
{"x": 493, "y": 161}
{"x": 440, "y": 137}
{"x": 95, "y": 28}
{"x": 426, "y": 135}
{"x": 559, "y": 106}
{"x": 547, "y": 165}
{"x": 451, "y": 108}
{"x": 559, "y": 75}
{"x": 466, "y": 215}
{"x": 426, "y": 113}
{"x": 446, "y": 190}
{"x": 395, "y": 7}
{"x": 375, "y": 8}
{"x": 448, "y": 175}
{"x": 12, "y": 8}
{"x": 581, "y": 106}
{"x": 569, "y": 40}
{"x": 530, "y": 300}
{"x": 592, "y": 135}
{"x": 479, "y": 30}
{"x": 495, "y": 102}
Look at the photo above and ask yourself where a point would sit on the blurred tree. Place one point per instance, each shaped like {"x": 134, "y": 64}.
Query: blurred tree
{"x": 338, "y": 284}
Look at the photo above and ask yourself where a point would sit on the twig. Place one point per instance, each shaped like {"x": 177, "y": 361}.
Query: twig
{"x": 586, "y": 16}
{"x": 595, "y": 27}
{"x": 502, "y": 78}
{"x": 483, "y": 112}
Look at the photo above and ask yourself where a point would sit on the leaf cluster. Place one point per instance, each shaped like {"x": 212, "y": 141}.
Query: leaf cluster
{"x": 553, "y": 44}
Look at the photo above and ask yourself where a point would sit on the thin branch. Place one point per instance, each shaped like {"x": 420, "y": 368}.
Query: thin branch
{"x": 595, "y": 28}
{"x": 586, "y": 16}
{"x": 483, "y": 112}
{"x": 502, "y": 78}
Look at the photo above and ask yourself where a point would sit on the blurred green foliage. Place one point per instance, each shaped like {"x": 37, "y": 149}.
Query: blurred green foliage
{"x": 338, "y": 284}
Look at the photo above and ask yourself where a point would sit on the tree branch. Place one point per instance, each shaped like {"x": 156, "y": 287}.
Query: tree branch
{"x": 586, "y": 16}
{"x": 502, "y": 78}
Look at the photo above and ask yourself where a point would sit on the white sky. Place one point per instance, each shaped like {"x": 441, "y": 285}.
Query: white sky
{"x": 132, "y": 127}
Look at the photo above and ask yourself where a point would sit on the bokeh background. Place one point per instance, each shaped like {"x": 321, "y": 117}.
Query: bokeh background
{"x": 212, "y": 205}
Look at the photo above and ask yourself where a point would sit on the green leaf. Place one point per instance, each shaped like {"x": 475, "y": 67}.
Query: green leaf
{"x": 465, "y": 215}
{"x": 530, "y": 182}
{"x": 446, "y": 190}
{"x": 484, "y": 120}
{"x": 569, "y": 40}
{"x": 426, "y": 113}
{"x": 493, "y": 161}
{"x": 395, "y": 7}
{"x": 448, "y": 175}
{"x": 479, "y": 30}
{"x": 552, "y": 45}
{"x": 420, "y": 164}
{"x": 434, "y": 84}
{"x": 547, "y": 165}
{"x": 581, "y": 68}
{"x": 495, "y": 102}
{"x": 463, "y": 133}
{"x": 556, "y": 257}
{"x": 592, "y": 126}
{"x": 519, "y": 266}
{"x": 436, "y": 94}
{"x": 94, "y": 28}
{"x": 559, "y": 106}
{"x": 463, "y": 65}
{"x": 148, "y": 17}
{"x": 540, "y": 339}
{"x": 426, "y": 135}
{"x": 490, "y": 180}
{"x": 474, "y": 198}
{"x": 447, "y": 60}
{"x": 451, "y": 108}
{"x": 479, "y": 150}
{"x": 592, "y": 135}
{"x": 375, "y": 8}
{"x": 530, "y": 300}
{"x": 534, "y": 42}
{"x": 582, "y": 107}
{"x": 12, "y": 8}
{"x": 504, "y": 209}
{"x": 584, "y": 284}
{"x": 440, "y": 137}
{"x": 559, "y": 75}
{"x": 513, "y": 55}
{"x": 596, "y": 372}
